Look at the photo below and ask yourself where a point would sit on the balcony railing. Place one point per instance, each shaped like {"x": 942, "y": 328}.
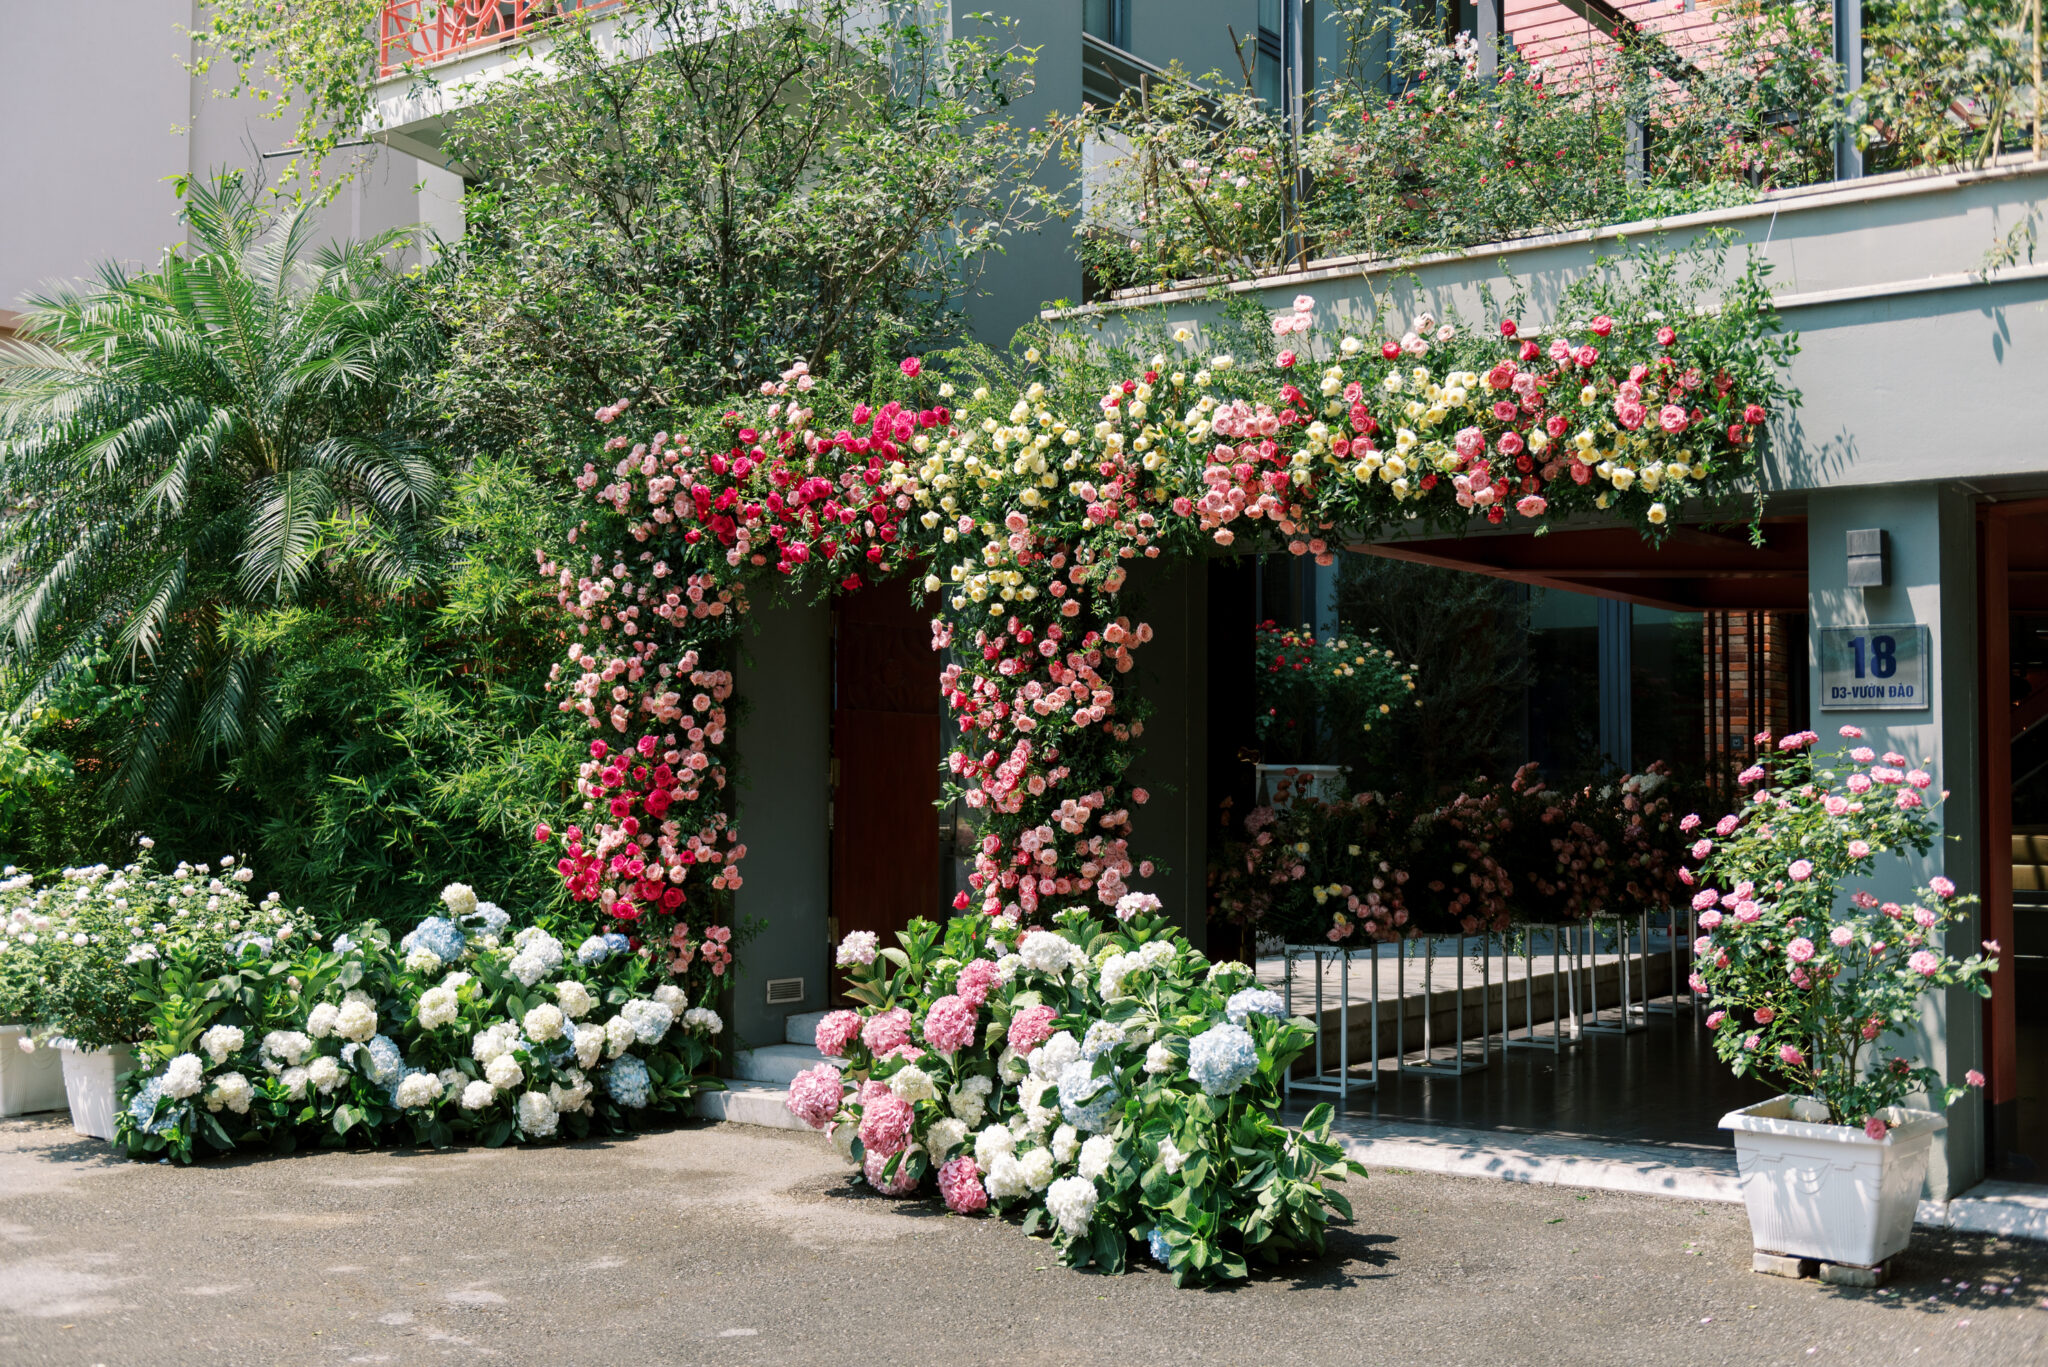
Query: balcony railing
{"x": 418, "y": 33}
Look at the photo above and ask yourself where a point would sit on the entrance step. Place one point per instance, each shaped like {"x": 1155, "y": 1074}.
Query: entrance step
{"x": 745, "y": 1102}
{"x": 802, "y": 1029}
{"x": 776, "y": 1063}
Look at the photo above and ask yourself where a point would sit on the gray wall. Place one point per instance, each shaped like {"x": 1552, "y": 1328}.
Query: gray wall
{"x": 100, "y": 114}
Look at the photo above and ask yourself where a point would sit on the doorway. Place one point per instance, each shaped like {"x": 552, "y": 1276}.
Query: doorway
{"x": 885, "y": 763}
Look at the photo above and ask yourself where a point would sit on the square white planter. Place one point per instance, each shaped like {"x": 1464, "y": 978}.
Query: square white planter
{"x": 1830, "y": 1192}
{"x": 89, "y": 1083}
{"x": 28, "y": 1082}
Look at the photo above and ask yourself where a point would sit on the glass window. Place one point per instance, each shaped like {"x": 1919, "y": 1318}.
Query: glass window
{"x": 1109, "y": 20}
{"x": 1668, "y": 688}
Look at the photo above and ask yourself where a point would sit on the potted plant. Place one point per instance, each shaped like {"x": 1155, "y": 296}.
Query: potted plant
{"x": 31, "y": 1078}
{"x": 1818, "y": 992}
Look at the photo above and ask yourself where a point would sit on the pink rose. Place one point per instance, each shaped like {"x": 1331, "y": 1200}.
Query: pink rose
{"x": 1714, "y": 1019}
{"x": 1852, "y": 733}
{"x": 1973, "y": 1078}
{"x": 1859, "y": 849}
{"x": 1801, "y": 870}
{"x": 1672, "y": 418}
{"x": 911, "y": 366}
{"x": 1840, "y": 937}
{"x": 1800, "y": 950}
{"x": 1765, "y": 1015}
{"x": 1689, "y": 823}
{"x": 1602, "y": 326}
{"x": 1725, "y": 827}
{"x": 1876, "y": 1128}
{"x": 1942, "y": 887}
{"x": 1531, "y": 505}
{"x": 1919, "y": 778}
{"x": 1709, "y": 919}
{"x": 1702, "y": 848}
{"x": 1790, "y": 1056}
{"x": 837, "y": 1030}
{"x": 1925, "y": 963}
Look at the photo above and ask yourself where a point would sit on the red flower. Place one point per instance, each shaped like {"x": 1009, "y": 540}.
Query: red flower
{"x": 911, "y": 366}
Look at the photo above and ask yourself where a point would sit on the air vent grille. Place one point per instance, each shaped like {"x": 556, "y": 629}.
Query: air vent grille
{"x": 785, "y": 991}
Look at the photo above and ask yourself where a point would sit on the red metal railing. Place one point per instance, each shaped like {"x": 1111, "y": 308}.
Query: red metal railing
{"x": 415, "y": 33}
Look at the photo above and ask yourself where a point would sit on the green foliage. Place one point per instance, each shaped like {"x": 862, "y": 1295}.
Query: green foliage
{"x": 1339, "y": 686}
{"x": 1946, "y": 82}
{"x": 232, "y": 432}
{"x": 771, "y": 182}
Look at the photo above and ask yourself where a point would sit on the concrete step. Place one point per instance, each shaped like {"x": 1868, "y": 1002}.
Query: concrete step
{"x": 802, "y": 1029}
{"x": 745, "y": 1102}
{"x": 776, "y": 1063}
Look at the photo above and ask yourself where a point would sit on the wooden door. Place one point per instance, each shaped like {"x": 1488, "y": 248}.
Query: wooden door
{"x": 885, "y": 761}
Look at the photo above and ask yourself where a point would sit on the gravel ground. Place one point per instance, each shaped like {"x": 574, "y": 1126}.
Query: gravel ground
{"x": 726, "y": 1245}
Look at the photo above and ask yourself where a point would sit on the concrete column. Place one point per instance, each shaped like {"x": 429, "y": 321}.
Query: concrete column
{"x": 785, "y": 757}
{"x": 1933, "y": 581}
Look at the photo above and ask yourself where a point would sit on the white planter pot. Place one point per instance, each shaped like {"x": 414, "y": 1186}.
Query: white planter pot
{"x": 1324, "y": 782}
{"x": 28, "y": 1082}
{"x": 1830, "y": 1192}
{"x": 89, "y": 1076}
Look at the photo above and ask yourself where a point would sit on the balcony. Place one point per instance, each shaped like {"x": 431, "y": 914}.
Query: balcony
{"x": 415, "y": 34}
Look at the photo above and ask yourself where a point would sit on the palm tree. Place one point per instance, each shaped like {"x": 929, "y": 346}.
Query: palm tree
{"x": 230, "y": 433}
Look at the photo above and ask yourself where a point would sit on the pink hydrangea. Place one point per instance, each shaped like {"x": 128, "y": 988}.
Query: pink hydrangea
{"x": 902, "y": 1184}
{"x": 1031, "y": 1027}
{"x": 837, "y": 1030}
{"x": 886, "y": 1031}
{"x": 949, "y": 1025}
{"x": 960, "y": 1186}
{"x": 976, "y": 981}
{"x": 814, "y": 1095}
{"x": 885, "y": 1120}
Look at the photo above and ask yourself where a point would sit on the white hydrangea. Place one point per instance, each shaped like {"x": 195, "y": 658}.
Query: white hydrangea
{"x": 671, "y": 996}
{"x": 1038, "y": 1168}
{"x": 571, "y": 1093}
{"x": 231, "y": 1090}
{"x": 1102, "y": 1037}
{"x": 1005, "y": 1180}
{"x": 460, "y": 899}
{"x": 618, "y": 1033}
{"x": 1170, "y": 1155}
{"x": 221, "y": 1040}
{"x": 478, "y": 1095}
{"x": 649, "y": 1020}
{"x": 1159, "y": 1058}
{"x": 1154, "y": 955}
{"x": 1115, "y": 969}
{"x": 1011, "y": 1065}
{"x": 324, "y": 1073}
{"x": 1056, "y": 1053}
{"x": 969, "y": 1101}
{"x": 295, "y": 1080}
{"x": 527, "y": 968}
{"x": 590, "y": 1042}
{"x": 420, "y": 959}
{"x": 419, "y": 1089}
{"x": 575, "y": 999}
{"x": 1038, "y": 1116}
{"x": 357, "y": 1019}
{"x": 504, "y": 1072}
{"x": 320, "y": 1024}
{"x": 1071, "y": 1202}
{"x": 285, "y": 1048}
{"x": 544, "y": 1022}
{"x": 1047, "y": 951}
{"x": 183, "y": 1077}
{"x": 860, "y": 947}
{"x": 705, "y": 1019}
{"x": 992, "y": 1143}
{"x": 1066, "y": 1142}
{"x": 438, "y": 1006}
{"x": 501, "y": 1038}
{"x": 454, "y": 981}
{"x": 453, "y": 1080}
{"x": 913, "y": 1084}
{"x": 1096, "y": 1154}
{"x": 537, "y": 1114}
{"x": 945, "y": 1136}
{"x": 1006, "y": 968}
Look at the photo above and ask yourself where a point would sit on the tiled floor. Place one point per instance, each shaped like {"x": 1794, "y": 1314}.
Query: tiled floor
{"x": 1661, "y": 1085}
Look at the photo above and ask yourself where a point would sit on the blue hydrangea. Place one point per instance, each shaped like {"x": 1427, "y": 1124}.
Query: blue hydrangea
{"x": 598, "y": 948}
{"x": 142, "y": 1109}
{"x": 628, "y": 1082}
{"x": 491, "y": 917}
{"x": 1254, "y": 1000}
{"x": 1221, "y": 1058}
{"x": 1162, "y": 1252}
{"x": 379, "y": 1060}
{"x": 1085, "y": 1099}
{"x": 438, "y": 934}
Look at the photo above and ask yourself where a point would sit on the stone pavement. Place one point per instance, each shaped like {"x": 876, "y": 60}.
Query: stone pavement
{"x": 715, "y": 1244}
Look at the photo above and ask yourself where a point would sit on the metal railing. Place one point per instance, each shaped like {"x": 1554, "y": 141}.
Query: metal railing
{"x": 418, "y": 33}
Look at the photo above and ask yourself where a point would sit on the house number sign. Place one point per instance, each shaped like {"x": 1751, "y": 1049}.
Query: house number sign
{"x": 1881, "y": 667}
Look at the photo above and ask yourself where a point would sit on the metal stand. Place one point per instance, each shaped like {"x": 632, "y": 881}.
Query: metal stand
{"x": 1555, "y": 1040}
{"x": 1683, "y": 998}
{"x": 1460, "y": 1062}
{"x": 1631, "y": 1014}
{"x": 1324, "y": 1079}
